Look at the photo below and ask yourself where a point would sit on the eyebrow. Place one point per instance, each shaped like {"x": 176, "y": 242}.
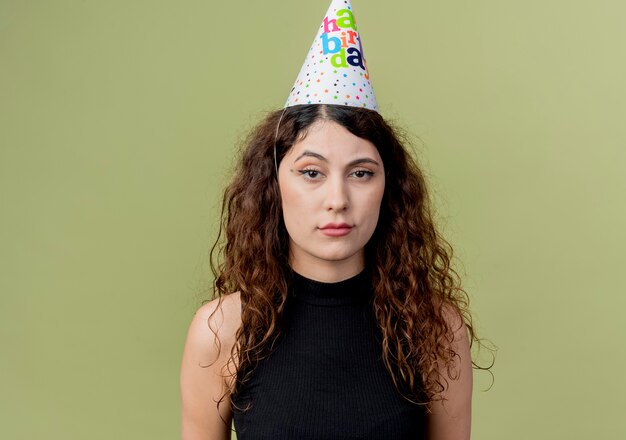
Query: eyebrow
{"x": 308, "y": 153}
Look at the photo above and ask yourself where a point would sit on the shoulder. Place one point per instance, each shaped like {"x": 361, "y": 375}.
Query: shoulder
{"x": 210, "y": 339}
{"x": 217, "y": 322}
{"x": 455, "y": 322}
{"x": 212, "y": 334}
{"x": 457, "y": 342}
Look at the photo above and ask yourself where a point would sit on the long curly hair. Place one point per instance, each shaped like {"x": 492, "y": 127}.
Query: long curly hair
{"x": 415, "y": 284}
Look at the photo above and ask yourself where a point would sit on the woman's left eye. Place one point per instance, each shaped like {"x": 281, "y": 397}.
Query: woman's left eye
{"x": 363, "y": 174}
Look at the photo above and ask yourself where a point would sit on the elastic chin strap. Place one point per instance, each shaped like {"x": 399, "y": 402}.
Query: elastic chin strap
{"x": 275, "y": 139}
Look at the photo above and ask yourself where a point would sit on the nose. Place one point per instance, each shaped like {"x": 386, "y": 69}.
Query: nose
{"x": 337, "y": 196}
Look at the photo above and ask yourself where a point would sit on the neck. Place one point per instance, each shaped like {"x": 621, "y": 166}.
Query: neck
{"x": 328, "y": 271}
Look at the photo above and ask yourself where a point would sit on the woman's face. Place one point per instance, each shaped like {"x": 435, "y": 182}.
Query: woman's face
{"x": 331, "y": 184}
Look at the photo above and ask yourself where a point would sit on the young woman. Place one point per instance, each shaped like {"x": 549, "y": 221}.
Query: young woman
{"x": 338, "y": 314}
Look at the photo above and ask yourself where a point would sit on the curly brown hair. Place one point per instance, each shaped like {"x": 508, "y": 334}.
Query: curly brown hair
{"x": 415, "y": 284}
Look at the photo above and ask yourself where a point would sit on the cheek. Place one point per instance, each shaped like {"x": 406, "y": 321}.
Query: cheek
{"x": 375, "y": 197}
{"x": 372, "y": 205}
{"x": 295, "y": 207}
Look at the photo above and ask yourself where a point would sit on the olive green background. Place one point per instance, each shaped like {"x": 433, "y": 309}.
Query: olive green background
{"x": 118, "y": 124}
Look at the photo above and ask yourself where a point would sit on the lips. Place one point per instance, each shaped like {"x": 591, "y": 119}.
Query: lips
{"x": 336, "y": 229}
{"x": 336, "y": 226}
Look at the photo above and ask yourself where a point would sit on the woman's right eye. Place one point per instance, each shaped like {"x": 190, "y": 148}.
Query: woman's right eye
{"x": 310, "y": 174}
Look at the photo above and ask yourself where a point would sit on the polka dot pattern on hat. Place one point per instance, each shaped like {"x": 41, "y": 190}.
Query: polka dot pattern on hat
{"x": 335, "y": 70}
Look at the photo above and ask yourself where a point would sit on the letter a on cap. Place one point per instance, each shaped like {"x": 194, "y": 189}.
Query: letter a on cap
{"x": 335, "y": 70}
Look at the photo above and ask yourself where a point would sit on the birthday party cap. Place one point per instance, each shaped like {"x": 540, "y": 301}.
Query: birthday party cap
{"x": 335, "y": 71}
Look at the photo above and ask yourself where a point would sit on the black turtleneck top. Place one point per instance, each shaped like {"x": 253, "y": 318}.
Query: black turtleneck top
{"x": 326, "y": 378}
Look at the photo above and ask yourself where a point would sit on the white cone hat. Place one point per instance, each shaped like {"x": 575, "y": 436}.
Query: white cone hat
{"x": 335, "y": 70}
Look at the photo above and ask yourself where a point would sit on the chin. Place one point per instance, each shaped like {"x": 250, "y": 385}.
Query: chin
{"x": 336, "y": 255}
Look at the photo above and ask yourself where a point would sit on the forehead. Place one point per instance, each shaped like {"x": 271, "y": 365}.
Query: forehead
{"x": 333, "y": 141}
